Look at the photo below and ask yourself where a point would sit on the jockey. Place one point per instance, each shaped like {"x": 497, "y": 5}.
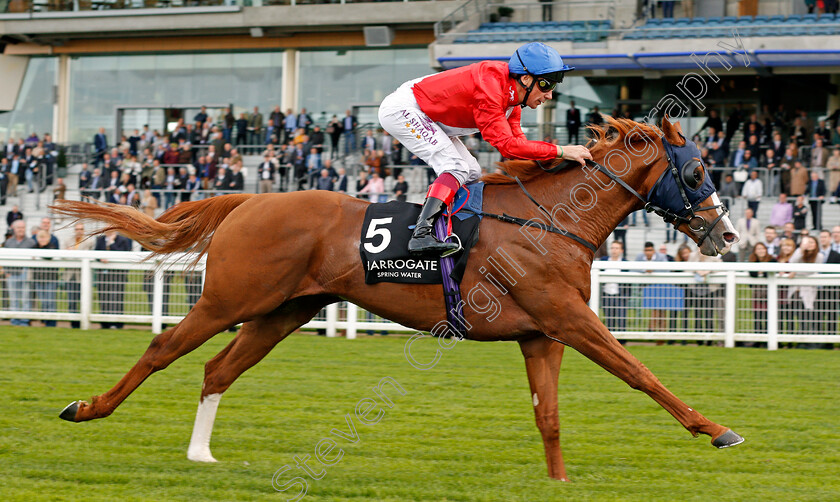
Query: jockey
{"x": 428, "y": 114}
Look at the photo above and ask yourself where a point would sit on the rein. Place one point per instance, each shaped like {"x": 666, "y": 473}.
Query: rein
{"x": 688, "y": 215}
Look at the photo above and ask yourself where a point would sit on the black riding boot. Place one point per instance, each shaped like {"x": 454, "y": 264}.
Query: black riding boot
{"x": 423, "y": 240}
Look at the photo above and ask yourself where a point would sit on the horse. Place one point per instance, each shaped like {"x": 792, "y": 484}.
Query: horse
{"x": 273, "y": 270}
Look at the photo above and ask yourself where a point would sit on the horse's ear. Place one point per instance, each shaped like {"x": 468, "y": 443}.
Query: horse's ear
{"x": 672, "y": 132}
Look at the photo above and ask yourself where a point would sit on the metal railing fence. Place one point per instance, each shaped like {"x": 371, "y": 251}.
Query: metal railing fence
{"x": 794, "y": 303}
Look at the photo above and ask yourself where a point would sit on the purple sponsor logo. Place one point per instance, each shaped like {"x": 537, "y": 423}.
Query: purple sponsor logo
{"x": 421, "y": 127}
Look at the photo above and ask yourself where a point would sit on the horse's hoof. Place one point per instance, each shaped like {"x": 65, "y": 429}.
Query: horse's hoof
{"x": 69, "y": 412}
{"x": 727, "y": 439}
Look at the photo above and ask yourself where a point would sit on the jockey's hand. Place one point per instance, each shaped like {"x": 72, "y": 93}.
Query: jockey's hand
{"x": 575, "y": 153}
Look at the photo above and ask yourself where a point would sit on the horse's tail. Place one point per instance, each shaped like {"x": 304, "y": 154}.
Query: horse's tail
{"x": 186, "y": 226}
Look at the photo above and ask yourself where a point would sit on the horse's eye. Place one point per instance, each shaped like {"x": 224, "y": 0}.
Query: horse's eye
{"x": 693, "y": 178}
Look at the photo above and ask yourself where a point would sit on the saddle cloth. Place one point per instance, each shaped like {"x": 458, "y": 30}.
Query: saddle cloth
{"x": 387, "y": 229}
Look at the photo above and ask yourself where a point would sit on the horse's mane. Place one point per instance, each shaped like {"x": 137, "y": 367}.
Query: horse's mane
{"x": 604, "y": 136}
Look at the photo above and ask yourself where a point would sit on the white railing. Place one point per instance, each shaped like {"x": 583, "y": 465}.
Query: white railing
{"x": 671, "y": 302}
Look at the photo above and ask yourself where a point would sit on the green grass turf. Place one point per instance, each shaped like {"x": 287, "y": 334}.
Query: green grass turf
{"x": 463, "y": 431}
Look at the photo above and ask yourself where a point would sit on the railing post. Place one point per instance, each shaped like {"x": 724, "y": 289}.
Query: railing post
{"x": 332, "y": 318}
{"x": 85, "y": 293}
{"x": 772, "y": 311}
{"x": 729, "y": 322}
{"x": 352, "y": 316}
{"x": 157, "y": 301}
{"x": 595, "y": 290}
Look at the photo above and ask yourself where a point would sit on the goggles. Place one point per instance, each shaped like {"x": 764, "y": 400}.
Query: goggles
{"x": 545, "y": 85}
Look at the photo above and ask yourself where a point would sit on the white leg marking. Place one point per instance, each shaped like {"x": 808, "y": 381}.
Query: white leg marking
{"x": 199, "y": 450}
{"x": 536, "y": 399}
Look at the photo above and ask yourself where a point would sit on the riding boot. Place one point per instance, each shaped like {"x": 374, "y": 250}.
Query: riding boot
{"x": 423, "y": 239}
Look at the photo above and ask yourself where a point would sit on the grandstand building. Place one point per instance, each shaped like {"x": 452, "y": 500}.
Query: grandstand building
{"x": 119, "y": 64}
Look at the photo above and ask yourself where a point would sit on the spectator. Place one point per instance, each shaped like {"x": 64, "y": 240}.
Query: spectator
{"x": 313, "y": 165}
{"x": 304, "y": 121}
{"x": 800, "y": 212}
{"x": 237, "y": 179}
{"x": 228, "y": 121}
{"x": 748, "y": 163}
{"x": 72, "y": 276}
{"x": 341, "y": 181}
{"x": 728, "y": 190}
{"x": 59, "y": 190}
{"x": 613, "y": 295}
{"x": 816, "y": 196}
{"x": 833, "y": 167}
{"x": 277, "y": 116}
{"x": 271, "y": 133}
{"x": 748, "y": 228}
{"x": 808, "y": 252}
{"x": 15, "y": 170}
{"x": 349, "y": 124}
{"x": 401, "y": 188}
{"x": 798, "y": 179}
{"x": 760, "y": 254}
{"x": 316, "y": 139}
{"x": 84, "y": 176}
{"x": 45, "y": 280}
{"x": 376, "y": 188}
{"x": 17, "y": 283}
{"x": 266, "y": 174}
{"x": 784, "y": 179}
{"x": 620, "y": 234}
{"x": 573, "y": 122}
{"x": 242, "y": 129}
{"x": 110, "y": 284}
{"x": 594, "y": 117}
{"x": 819, "y": 154}
{"x": 13, "y": 215}
{"x": 703, "y": 297}
{"x": 361, "y": 184}
{"x": 835, "y": 241}
{"x": 324, "y": 181}
{"x": 737, "y": 158}
{"x": 778, "y": 146}
{"x": 201, "y": 116}
{"x": 752, "y": 191}
{"x": 255, "y": 127}
{"x": 334, "y": 130}
{"x": 289, "y": 125}
{"x": 653, "y": 300}
{"x": 771, "y": 240}
{"x": 100, "y": 146}
{"x": 46, "y": 225}
{"x": 782, "y": 211}
{"x": 148, "y": 203}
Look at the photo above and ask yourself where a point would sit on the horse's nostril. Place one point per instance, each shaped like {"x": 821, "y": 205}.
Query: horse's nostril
{"x": 729, "y": 237}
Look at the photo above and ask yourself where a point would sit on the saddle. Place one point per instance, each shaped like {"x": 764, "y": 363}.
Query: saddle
{"x": 383, "y": 246}
{"x": 387, "y": 228}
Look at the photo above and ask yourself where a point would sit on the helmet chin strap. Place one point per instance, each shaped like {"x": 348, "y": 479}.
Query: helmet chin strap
{"x": 528, "y": 89}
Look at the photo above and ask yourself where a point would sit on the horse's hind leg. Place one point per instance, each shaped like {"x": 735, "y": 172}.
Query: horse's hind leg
{"x": 581, "y": 329}
{"x": 254, "y": 341}
{"x": 542, "y": 361}
{"x": 203, "y": 322}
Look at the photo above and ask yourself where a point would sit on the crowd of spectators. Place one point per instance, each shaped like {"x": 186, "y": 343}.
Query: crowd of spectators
{"x": 152, "y": 170}
{"x": 30, "y": 161}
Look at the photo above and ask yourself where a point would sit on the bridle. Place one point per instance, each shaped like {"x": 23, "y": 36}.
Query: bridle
{"x": 679, "y": 176}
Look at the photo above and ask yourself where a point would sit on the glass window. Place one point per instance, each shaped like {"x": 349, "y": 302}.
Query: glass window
{"x": 334, "y": 81}
{"x": 34, "y": 108}
{"x": 101, "y": 84}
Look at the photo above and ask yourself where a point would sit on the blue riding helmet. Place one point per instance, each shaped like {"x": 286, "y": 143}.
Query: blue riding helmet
{"x": 538, "y": 60}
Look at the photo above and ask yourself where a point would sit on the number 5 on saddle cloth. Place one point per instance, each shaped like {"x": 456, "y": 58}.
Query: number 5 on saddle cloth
{"x": 387, "y": 229}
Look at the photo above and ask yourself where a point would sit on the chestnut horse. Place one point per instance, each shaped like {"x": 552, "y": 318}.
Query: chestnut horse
{"x": 273, "y": 270}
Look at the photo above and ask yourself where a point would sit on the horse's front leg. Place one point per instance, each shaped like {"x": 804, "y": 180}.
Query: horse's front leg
{"x": 581, "y": 329}
{"x": 542, "y": 361}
